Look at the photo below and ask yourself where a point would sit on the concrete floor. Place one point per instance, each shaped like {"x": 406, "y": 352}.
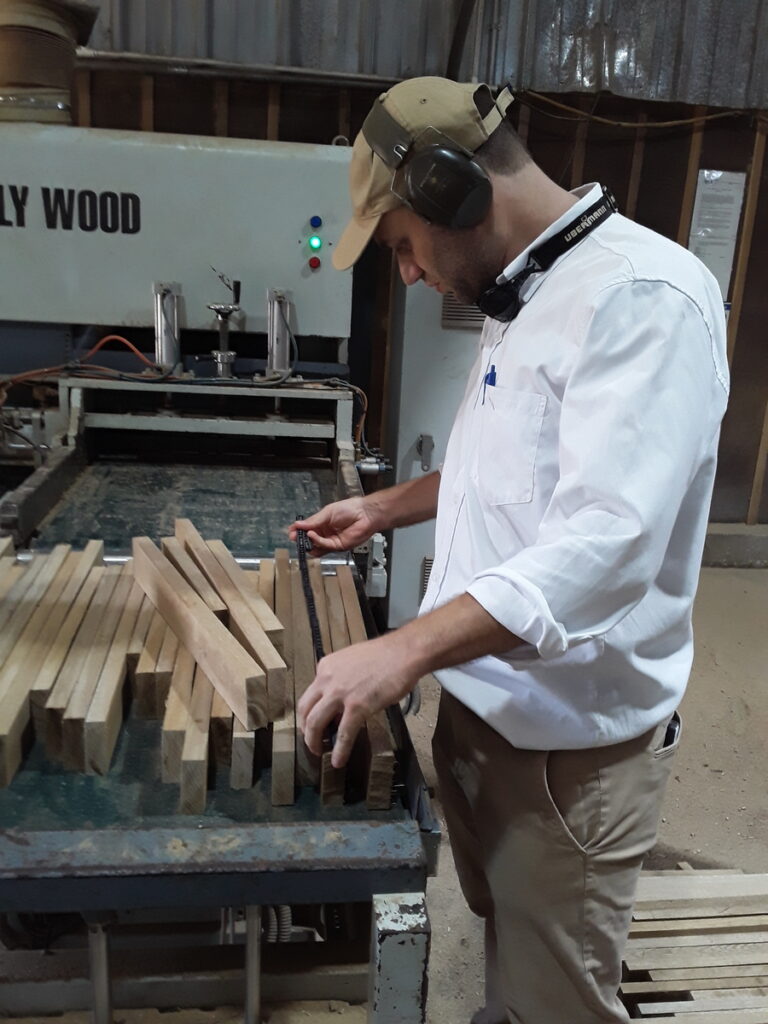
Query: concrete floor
{"x": 716, "y": 807}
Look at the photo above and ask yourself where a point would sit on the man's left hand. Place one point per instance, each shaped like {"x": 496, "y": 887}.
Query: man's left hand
{"x": 350, "y": 686}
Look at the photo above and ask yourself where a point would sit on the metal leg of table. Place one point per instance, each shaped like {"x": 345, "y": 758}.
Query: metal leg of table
{"x": 400, "y": 939}
{"x": 252, "y": 965}
{"x": 98, "y": 946}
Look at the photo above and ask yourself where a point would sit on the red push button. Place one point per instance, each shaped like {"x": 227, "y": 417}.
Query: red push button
{"x": 314, "y": 262}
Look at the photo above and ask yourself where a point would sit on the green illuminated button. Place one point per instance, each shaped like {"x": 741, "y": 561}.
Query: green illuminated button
{"x": 315, "y": 242}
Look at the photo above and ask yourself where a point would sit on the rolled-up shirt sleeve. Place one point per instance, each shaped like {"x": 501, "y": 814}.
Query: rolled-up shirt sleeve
{"x": 639, "y": 411}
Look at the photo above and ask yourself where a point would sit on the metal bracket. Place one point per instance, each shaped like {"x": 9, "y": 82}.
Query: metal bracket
{"x": 425, "y": 445}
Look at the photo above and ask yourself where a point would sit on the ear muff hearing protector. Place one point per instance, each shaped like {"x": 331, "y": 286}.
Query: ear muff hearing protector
{"x": 431, "y": 173}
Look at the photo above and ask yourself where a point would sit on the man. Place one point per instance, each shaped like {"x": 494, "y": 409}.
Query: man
{"x": 571, "y": 513}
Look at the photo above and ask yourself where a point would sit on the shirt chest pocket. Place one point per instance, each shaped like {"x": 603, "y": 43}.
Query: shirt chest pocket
{"x": 508, "y": 439}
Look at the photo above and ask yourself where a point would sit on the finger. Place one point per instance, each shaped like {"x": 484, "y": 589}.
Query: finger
{"x": 349, "y": 726}
{"x": 332, "y": 543}
{"x": 310, "y": 697}
{"x": 317, "y": 721}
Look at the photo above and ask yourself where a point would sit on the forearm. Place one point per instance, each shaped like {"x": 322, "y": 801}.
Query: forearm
{"x": 414, "y": 501}
{"x": 453, "y": 634}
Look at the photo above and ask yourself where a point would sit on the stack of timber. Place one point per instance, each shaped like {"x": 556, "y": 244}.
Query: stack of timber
{"x": 184, "y": 634}
{"x": 698, "y": 948}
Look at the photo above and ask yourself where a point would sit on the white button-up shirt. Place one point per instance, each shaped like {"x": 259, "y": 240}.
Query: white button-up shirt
{"x": 575, "y": 492}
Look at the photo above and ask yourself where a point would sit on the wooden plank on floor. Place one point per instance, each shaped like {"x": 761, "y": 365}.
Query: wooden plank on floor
{"x": 284, "y": 729}
{"x": 174, "y": 550}
{"x": 231, "y": 670}
{"x": 699, "y": 885}
{"x": 682, "y": 1009}
{"x": 307, "y": 765}
{"x": 73, "y": 721}
{"x": 639, "y": 988}
{"x": 381, "y": 744}
{"x": 144, "y": 680}
{"x": 193, "y": 778}
{"x": 176, "y": 716}
{"x": 105, "y": 715}
{"x": 697, "y": 956}
{"x": 669, "y": 910}
{"x": 686, "y": 974}
{"x": 269, "y": 621}
{"x": 73, "y": 665}
{"x": 60, "y": 630}
{"x": 700, "y": 925}
{"x": 697, "y": 939}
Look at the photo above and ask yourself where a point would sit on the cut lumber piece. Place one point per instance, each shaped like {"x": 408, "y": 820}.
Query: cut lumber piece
{"x": 138, "y": 639}
{"x": 177, "y": 715}
{"x": 15, "y": 594}
{"x": 53, "y": 645}
{"x": 194, "y": 755}
{"x": 166, "y": 660}
{"x": 307, "y": 764}
{"x": 381, "y": 744}
{"x": 332, "y": 780}
{"x": 144, "y": 679}
{"x": 231, "y": 670}
{"x": 25, "y": 647}
{"x": 266, "y": 581}
{"x": 269, "y": 621}
{"x": 682, "y": 975}
{"x": 699, "y": 885}
{"x": 105, "y": 715}
{"x": 67, "y": 679}
{"x": 751, "y": 953}
{"x": 700, "y": 925}
{"x": 73, "y": 721}
{"x": 9, "y": 575}
{"x": 749, "y": 999}
{"x": 174, "y": 550}
{"x": 284, "y": 729}
{"x": 243, "y": 756}
{"x": 669, "y": 910}
{"x": 634, "y": 988}
{"x": 221, "y": 732}
{"x": 315, "y": 570}
{"x": 697, "y": 939}
{"x": 717, "y": 1017}
{"x": 7, "y": 548}
{"x": 14, "y": 625}
{"x": 337, "y": 619}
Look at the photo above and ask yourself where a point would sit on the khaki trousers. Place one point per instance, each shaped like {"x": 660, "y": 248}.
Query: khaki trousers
{"x": 548, "y": 847}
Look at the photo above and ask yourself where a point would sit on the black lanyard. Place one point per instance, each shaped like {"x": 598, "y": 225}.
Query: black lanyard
{"x": 502, "y": 302}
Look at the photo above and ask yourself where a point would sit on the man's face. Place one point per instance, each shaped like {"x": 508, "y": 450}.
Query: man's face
{"x": 458, "y": 261}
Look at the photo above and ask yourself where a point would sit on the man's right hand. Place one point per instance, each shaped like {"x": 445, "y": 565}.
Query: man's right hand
{"x": 340, "y": 526}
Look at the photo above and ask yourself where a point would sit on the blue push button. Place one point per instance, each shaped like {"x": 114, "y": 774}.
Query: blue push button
{"x": 316, "y": 222}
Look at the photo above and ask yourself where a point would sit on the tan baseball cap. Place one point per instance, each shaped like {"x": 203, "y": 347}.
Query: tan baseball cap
{"x": 464, "y": 112}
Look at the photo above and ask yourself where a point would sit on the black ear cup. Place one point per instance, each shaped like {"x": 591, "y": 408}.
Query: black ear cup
{"x": 446, "y": 187}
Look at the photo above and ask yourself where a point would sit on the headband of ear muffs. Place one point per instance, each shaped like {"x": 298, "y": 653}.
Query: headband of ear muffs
{"x": 440, "y": 182}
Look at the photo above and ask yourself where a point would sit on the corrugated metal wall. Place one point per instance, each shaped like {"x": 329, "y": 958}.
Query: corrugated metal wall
{"x": 712, "y": 52}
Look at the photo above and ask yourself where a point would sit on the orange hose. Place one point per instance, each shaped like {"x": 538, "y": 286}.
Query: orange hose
{"x": 120, "y": 338}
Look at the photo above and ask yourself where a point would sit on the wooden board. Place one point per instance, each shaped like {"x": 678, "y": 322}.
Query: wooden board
{"x": 231, "y": 670}
{"x": 243, "y": 756}
{"x": 44, "y": 669}
{"x": 144, "y": 680}
{"x": 9, "y": 574}
{"x": 307, "y": 764}
{"x": 68, "y": 677}
{"x": 284, "y": 729}
{"x": 176, "y": 716}
{"x": 221, "y": 732}
{"x": 315, "y": 569}
{"x": 267, "y": 582}
{"x": 381, "y": 744}
{"x": 138, "y": 639}
{"x": 166, "y": 661}
{"x": 175, "y": 551}
{"x": 105, "y": 715}
{"x": 13, "y": 626}
{"x": 73, "y": 722}
{"x": 15, "y": 595}
{"x": 332, "y": 780}
{"x": 269, "y": 621}
{"x": 193, "y": 778}
{"x": 7, "y": 548}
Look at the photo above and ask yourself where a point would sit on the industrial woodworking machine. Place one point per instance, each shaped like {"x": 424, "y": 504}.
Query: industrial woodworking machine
{"x": 173, "y": 342}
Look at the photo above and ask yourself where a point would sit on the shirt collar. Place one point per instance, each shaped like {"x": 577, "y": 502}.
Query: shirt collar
{"x": 586, "y": 195}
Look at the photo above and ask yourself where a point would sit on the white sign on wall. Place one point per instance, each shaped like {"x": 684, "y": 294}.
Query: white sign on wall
{"x": 715, "y": 222}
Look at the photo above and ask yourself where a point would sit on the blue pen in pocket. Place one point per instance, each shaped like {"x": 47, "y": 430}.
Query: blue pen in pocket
{"x": 490, "y": 378}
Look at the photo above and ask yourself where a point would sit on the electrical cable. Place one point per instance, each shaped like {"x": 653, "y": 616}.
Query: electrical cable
{"x": 40, "y": 449}
{"x": 583, "y": 115}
